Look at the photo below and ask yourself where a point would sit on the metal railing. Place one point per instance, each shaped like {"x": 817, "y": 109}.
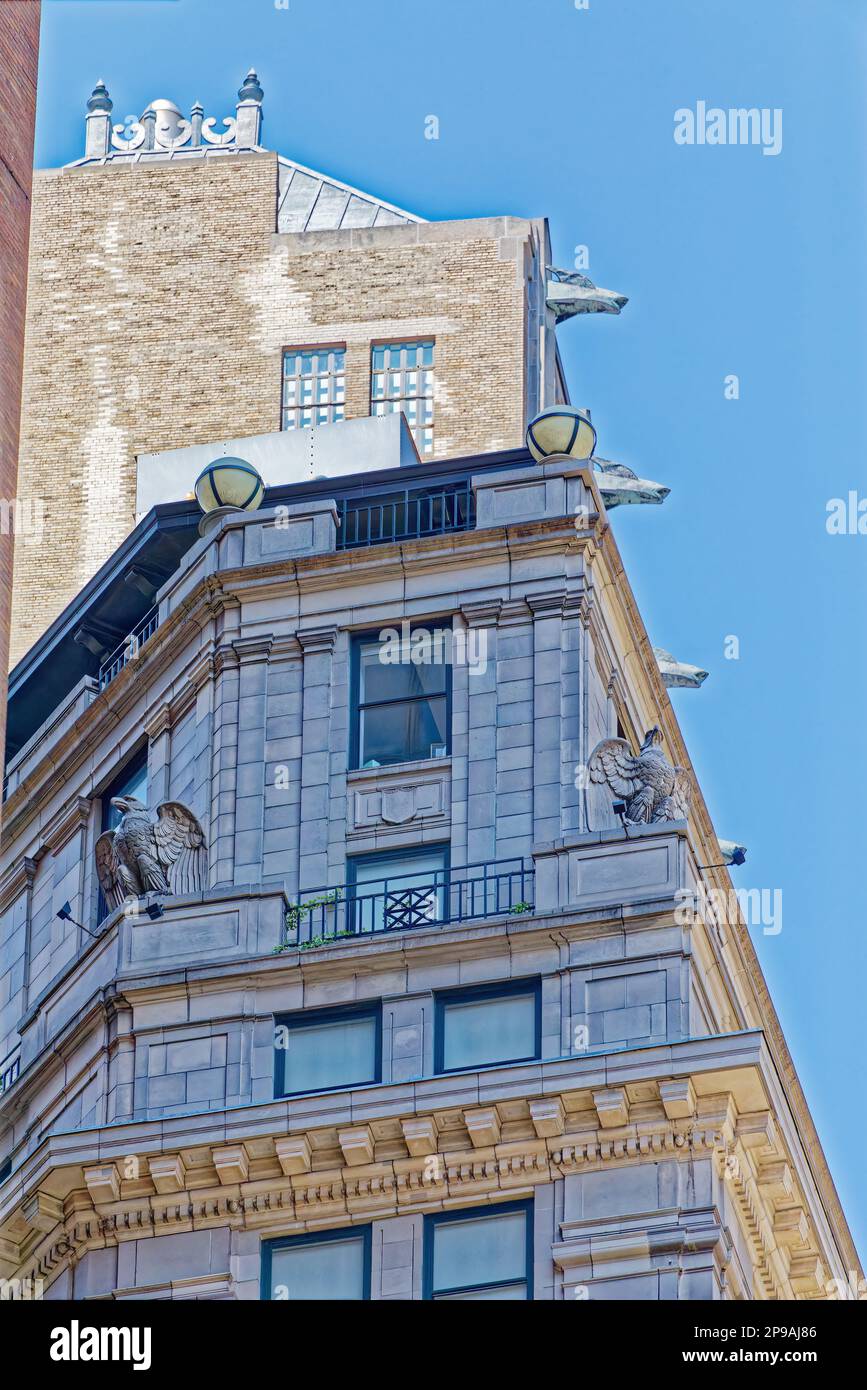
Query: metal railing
{"x": 405, "y": 901}
{"x": 129, "y": 648}
{"x": 406, "y": 517}
{"x": 10, "y": 1069}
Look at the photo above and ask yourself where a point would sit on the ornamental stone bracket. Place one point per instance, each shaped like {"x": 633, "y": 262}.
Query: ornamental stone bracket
{"x": 281, "y": 1183}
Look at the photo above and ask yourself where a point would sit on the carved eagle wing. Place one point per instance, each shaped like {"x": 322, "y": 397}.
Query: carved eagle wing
{"x": 106, "y": 868}
{"x": 181, "y": 849}
{"x": 612, "y": 762}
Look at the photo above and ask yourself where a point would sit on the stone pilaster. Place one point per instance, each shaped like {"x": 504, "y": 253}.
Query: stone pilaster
{"x": 317, "y": 645}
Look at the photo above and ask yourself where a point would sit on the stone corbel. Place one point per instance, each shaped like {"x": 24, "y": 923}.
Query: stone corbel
{"x": 103, "y": 1183}
{"x": 792, "y": 1228}
{"x": 42, "y": 1212}
{"x": 293, "y": 1154}
{"x": 483, "y": 1127}
{"x": 678, "y": 1099}
{"x": 357, "y": 1145}
{"x": 168, "y": 1173}
{"x": 232, "y": 1164}
{"x": 611, "y": 1107}
{"x": 420, "y": 1136}
{"x": 548, "y": 1116}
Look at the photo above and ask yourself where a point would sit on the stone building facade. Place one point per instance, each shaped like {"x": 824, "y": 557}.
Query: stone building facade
{"x": 438, "y": 1024}
{"x": 168, "y": 279}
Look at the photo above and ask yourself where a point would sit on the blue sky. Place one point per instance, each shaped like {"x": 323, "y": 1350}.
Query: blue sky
{"x": 734, "y": 262}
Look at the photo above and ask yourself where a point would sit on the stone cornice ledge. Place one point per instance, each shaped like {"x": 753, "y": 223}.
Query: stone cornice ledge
{"x": 320, "y": 1160}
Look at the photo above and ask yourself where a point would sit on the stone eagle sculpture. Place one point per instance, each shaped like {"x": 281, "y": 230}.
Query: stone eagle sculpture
{"x": 652, "y": 789}
{"x": 166, "y": 854}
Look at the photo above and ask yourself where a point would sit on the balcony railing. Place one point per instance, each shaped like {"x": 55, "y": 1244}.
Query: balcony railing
{"x": 129, "y": 648}
{"x": 10, "y": 1068}
{"x": 407, "y": 516}
{"x": 409, "y": 900}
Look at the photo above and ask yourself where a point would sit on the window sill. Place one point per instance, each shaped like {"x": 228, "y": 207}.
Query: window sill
{"x": 378, "y": 774}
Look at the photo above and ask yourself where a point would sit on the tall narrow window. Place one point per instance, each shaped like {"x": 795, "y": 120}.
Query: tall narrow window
{"x": 332, "y": 1265}
{"x": 479, "y": 1255}
{"x": 401, "y": 707}
{"x": 314, "y": 386}
{"x": 401, "y": 378}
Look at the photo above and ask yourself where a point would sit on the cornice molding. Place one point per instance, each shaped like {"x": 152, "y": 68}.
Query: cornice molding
{"x": 277, "y": 1192}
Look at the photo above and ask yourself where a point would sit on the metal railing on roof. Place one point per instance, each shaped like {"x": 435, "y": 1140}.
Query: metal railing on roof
{"x": 129, "y": 648}
{"x": 406, "y": 516}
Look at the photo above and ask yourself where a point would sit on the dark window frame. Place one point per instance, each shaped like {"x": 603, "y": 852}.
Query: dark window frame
{"x": 311, "y": 1018}
{"x": 361, "y": 639}
{"x": 440, "y": 1218}
{"x": 476, "y": 994}
{"x": 316, "y": 1238}
{"x": 137, "y": 760}
{"x": 385, "y": 855}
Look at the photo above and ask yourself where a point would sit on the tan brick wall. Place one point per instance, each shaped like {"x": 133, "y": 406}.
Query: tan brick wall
{"x": 19, "y": 46}
{"x": 160, "y": 300}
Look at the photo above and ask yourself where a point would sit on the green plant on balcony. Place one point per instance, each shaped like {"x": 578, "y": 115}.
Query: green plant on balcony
{"x": 292, "y": 922}
{"x": 517, "y": 908}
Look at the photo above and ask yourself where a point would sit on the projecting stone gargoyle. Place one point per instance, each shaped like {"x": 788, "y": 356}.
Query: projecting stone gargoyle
{"x": 146, "y": 855}
{"x": 652, "y": 789}
{"x": 569, "y": 293}
{"x": 619, "y": 485}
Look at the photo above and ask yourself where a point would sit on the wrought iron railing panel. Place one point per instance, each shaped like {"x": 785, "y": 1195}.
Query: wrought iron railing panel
{"x": 403, "y": 902}
{"x": 407, "y": 517}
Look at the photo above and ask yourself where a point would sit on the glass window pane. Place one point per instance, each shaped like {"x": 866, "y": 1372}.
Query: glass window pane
{"x": 489, "y": 1030}
{"x": 342, "y": 1053}
{"x": 382, "y": 679}
{"x": 400, "y": 891}
{"x": 332, "y": 1269}
{"x": 427, "y": 354}
{"x": 482, "y": 1250}
{"x": 402, "y": 733}
{"x": 135, "y": 784}
{"x": 378, "y": 359}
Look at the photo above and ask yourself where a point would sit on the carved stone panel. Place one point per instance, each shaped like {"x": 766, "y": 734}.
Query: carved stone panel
{"x": 385, "y": 802}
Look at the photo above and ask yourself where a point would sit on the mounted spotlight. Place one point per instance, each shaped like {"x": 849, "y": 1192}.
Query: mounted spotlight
{"x": 154, "y": 911}
{"x": 227, "y": 485}
{"x": 65, "y": 915}
{"x": 561, "y": 431}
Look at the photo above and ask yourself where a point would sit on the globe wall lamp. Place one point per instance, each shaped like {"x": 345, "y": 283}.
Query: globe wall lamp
{"x": 561, "y": 431}
{"x": 227, "y": 485}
